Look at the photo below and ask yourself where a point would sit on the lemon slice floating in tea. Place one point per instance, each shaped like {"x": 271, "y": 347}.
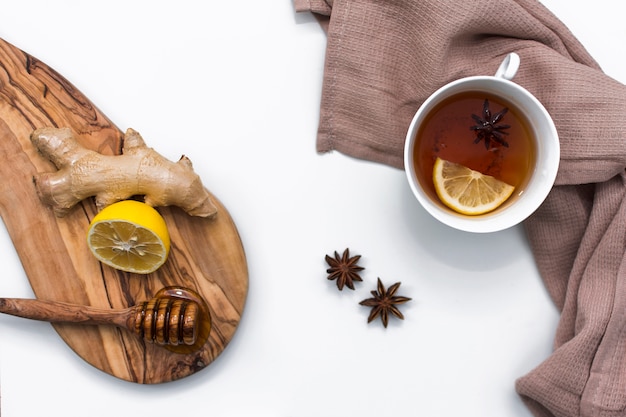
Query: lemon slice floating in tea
{"x": 467, "y": 191}
{"x": 130, "y": 236}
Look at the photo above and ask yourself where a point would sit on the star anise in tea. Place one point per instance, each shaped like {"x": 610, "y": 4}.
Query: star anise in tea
{"x": 344, "y": 269}
{"x": 384, "y": 303}
{"x": 487, "y": 127}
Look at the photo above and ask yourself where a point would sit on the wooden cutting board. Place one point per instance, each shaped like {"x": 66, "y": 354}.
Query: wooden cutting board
{"x": 206, "y": 254}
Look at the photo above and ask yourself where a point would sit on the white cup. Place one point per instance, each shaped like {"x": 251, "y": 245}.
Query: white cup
{"x": 543, "y": 132}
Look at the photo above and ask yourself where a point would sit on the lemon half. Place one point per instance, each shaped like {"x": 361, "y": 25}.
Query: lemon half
{"x": 467, "y": 191}
{"x": 131, "y": 236}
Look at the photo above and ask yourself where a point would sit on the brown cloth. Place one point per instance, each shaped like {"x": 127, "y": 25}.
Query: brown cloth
{"x": 384, "y": 58}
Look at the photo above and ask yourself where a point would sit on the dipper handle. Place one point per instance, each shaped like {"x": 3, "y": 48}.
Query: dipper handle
{"x": 59, "y": 312}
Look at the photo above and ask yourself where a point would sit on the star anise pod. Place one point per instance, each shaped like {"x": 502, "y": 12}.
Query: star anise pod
{"x": 487, "y": 127}
{"x": 384, "y": 303}
{"x": 344, "y": 269}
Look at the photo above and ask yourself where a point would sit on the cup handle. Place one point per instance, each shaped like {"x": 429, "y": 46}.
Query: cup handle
{"x": 509, "y": 66}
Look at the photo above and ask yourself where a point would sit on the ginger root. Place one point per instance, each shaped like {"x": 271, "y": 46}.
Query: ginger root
{"x": 139, "y": 170}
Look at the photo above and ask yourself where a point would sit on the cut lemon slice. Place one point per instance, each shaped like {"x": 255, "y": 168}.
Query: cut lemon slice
{"x": 467, "y": 191}
{"x": 130, "y": 236}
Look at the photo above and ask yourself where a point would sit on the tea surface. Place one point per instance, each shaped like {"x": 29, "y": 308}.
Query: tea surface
{"x": 449, "y": 132}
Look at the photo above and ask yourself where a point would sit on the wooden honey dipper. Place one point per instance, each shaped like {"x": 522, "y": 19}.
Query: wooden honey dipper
{"x": 176, "y": 318}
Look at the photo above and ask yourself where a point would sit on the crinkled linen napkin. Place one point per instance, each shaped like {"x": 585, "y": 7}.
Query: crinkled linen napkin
{"x": 384, "y": 58}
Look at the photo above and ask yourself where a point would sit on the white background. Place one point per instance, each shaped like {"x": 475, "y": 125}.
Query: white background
{"x": 235, "y": 85}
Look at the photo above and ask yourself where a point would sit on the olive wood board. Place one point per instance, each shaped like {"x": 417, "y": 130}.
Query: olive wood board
{"x": 206, "y": 254}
